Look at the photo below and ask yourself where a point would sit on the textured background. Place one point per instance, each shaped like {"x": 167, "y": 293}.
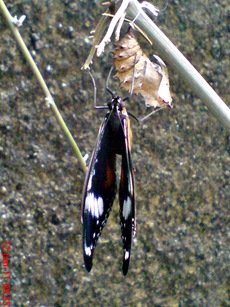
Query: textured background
{"x": 181, "y": 254}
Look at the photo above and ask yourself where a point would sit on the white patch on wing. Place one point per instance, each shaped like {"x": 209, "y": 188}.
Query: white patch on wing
{"x": 89, "y": 185}
{"x": 94, "y": 205}
{"x": 127, "y": 208}
{"x": 126, "y": 255}
{"x": 88, "y": 251}
{"x": 100, "y": 206}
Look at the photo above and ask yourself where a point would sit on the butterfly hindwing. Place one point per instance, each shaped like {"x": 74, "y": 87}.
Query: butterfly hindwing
{"x": 126, "y": 196}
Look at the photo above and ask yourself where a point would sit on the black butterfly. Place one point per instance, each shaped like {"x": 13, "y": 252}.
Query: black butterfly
{"x": 100, "y": 186}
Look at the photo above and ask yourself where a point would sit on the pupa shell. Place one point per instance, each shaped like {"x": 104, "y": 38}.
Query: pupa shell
{"x": 138, "y": 74}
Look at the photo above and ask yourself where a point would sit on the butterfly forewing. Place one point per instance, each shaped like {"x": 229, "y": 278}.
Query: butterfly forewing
{"x": 99, "y": 191}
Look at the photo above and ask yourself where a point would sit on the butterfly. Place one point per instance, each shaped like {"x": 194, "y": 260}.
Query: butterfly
{"x": 114, "y": 138}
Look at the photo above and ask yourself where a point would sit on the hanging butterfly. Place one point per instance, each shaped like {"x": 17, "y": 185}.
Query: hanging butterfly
{"x": 114, "y": 138}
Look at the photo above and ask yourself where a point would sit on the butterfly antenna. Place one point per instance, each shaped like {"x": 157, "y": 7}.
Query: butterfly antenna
{"x": 147, "y": 116}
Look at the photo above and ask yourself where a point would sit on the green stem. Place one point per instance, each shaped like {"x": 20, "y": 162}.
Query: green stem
{"x": 42, "y": 83}
{"x": 176, "y": 59}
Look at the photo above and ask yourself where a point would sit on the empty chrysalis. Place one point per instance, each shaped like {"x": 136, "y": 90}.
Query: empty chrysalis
{"x": 139, "y": 75}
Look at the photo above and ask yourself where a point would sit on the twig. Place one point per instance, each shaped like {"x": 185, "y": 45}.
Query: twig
{"x": 11, "y": 22}
{"x": 176, "y": 59}
{"x": 96, "y": 39}
{"x": 117, "y": 16}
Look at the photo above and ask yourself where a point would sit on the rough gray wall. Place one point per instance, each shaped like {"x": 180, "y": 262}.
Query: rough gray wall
{"x": 181, "y": 255}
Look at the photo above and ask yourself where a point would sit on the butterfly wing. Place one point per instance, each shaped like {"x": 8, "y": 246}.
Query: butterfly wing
{"x": 99, "y": 190}
{"x": 127, "y": 195}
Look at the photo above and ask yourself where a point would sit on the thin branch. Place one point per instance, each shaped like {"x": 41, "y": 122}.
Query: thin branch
{"x": 176, "y": 59}
{"x": 114, "y": 21}
{"x": 49, "y": 98}
{"x": 101, "y": 26}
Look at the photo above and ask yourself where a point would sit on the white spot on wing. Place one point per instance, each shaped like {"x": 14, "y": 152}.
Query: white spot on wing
{"x": 88, "y": 251}
{"x": 127, "y": 208}
{"x": 100, "y": 206}
{"x": 94, "y": 205}
{"x": 126, "y": 255}
{"x": 89, "y": 185}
